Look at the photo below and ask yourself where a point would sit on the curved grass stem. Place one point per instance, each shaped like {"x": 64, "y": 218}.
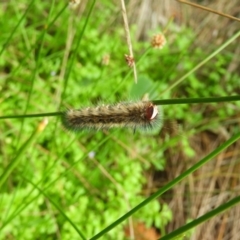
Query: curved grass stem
{"x": 156, "y": 102}
{"x": 169, "y": 185}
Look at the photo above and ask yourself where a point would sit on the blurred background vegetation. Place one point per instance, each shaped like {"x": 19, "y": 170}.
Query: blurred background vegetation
{"x": 54, "y": 58}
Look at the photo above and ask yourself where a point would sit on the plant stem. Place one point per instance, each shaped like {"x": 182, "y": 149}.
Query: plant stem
{"x": 156, "y": 102}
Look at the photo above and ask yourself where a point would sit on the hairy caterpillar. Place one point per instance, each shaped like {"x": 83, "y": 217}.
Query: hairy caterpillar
{"x": 141, "y": 114}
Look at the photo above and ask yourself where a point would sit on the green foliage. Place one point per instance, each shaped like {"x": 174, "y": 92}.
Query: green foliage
{"x": 94, "y": 177}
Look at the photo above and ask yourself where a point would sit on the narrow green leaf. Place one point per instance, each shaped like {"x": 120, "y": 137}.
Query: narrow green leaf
{"x": 157, "y": 102}
{"x": 169, "y": 185}
{"x": 202, "y": 219}
{"x": 58, "y": 208}
{"x": 16, "y": 27}
{"x": 19, "y": 154}
{"x": 203, "y": 62}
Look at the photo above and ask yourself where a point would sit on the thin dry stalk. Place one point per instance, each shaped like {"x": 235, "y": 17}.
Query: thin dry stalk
{"x": 209, "y": 10}
{"x": 128, "y": 37}
{"x": 118, "y": 186}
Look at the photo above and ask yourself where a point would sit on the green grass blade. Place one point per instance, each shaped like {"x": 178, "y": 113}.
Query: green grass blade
{"x": 57, "y": 207}
{"x": 29, "y": 52}
{"x": 196, "y": 100}
{"x": 27, "y": 202}
{"x": 19, "y": 154}
{"x": 35, "y": 115}
{"x": 76, "y": 50}
{"x": 36, "y": 69}
{"x": 169, "y": 185}
{"x": 16, "y": 27}
{"x": 156, "y": 102}
{"x": 203, "y": 62}
{"x": 202, "y": 219}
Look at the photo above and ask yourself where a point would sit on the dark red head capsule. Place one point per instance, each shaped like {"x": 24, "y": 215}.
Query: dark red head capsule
{"x": 151, "y": 112}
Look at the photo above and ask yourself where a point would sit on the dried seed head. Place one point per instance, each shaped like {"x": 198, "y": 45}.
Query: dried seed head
{"x": 105, "y": 59}
{"x": 158, "y": 41}
{"x": 74, "y": 3}
{"x": 42, "y": 125}
{"x": 129, "y": 60}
